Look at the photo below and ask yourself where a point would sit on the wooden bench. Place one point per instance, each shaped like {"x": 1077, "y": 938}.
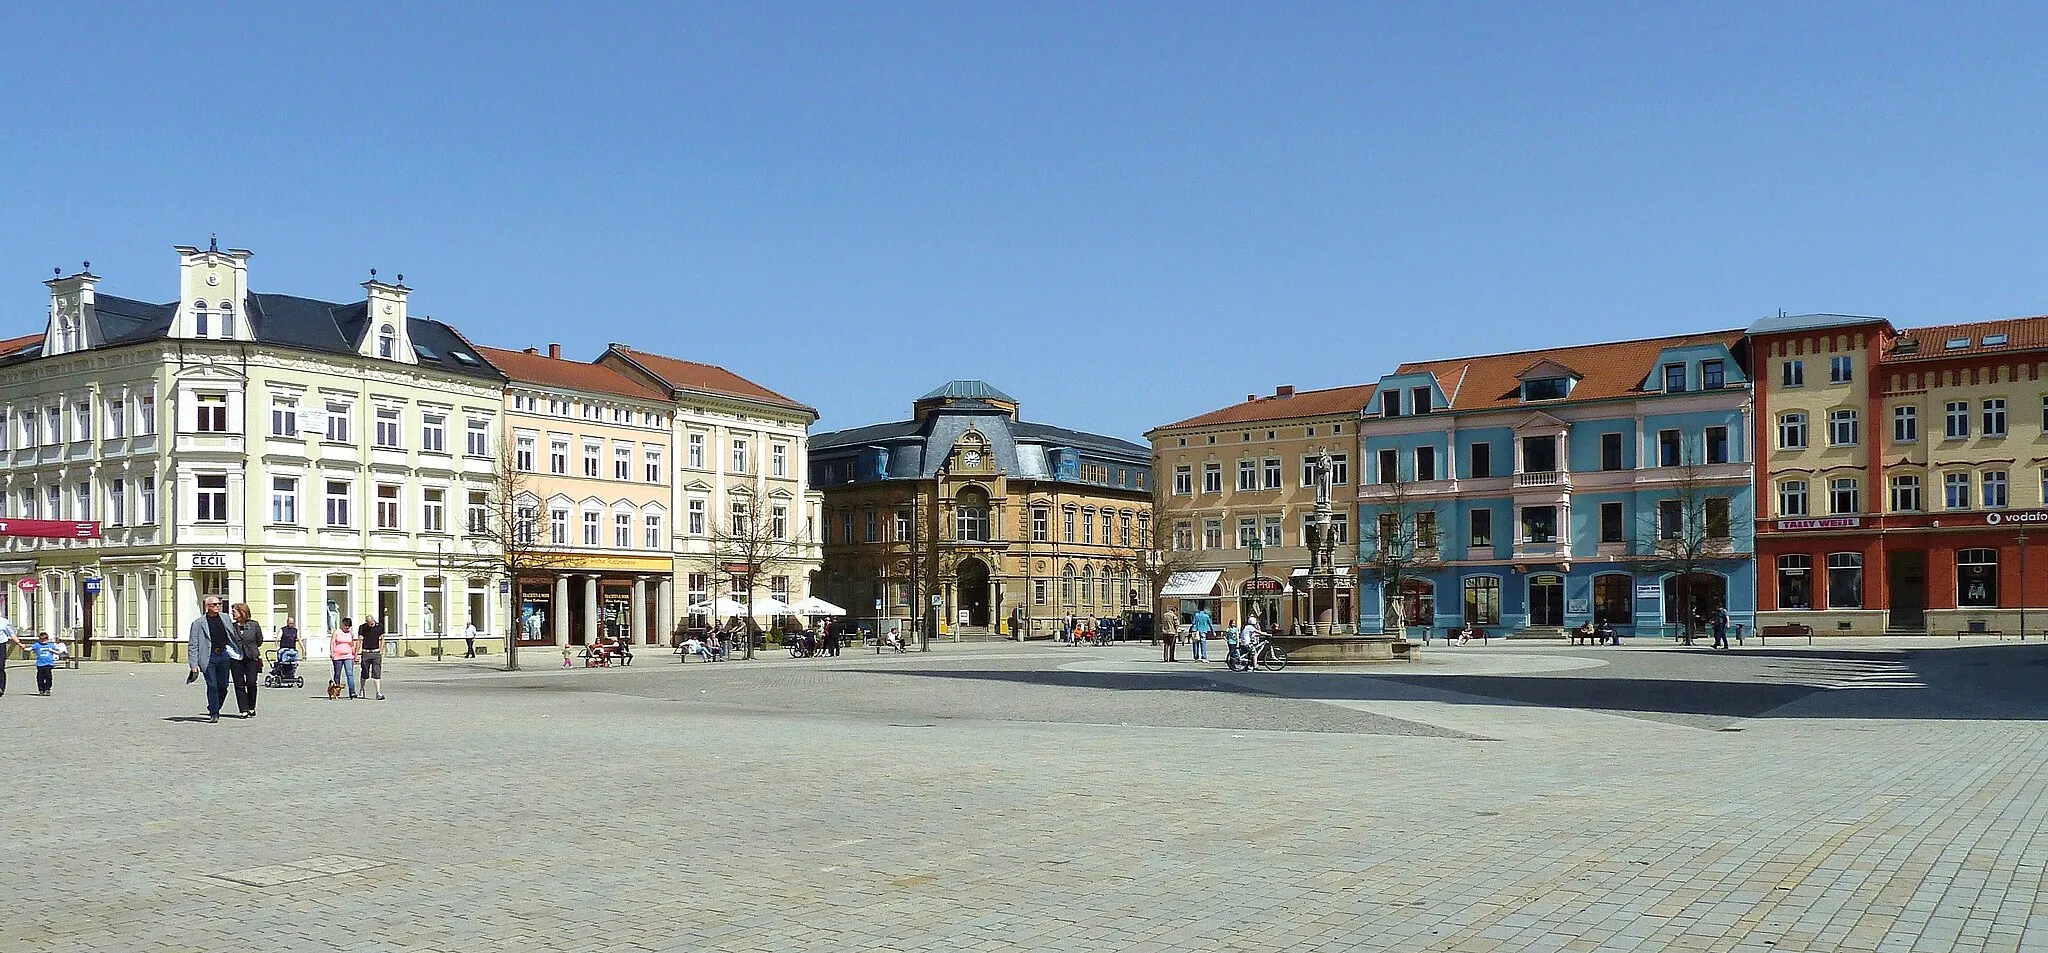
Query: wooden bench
{"x": 1451, "y": 634}
{"x": 1785, "y": 630}
{"x": 1594, "y": 637}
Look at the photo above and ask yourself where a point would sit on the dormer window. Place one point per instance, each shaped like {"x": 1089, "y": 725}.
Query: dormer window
{"x": 1390, "y": 404}
{"x": 387, "y": 342}
{"x": 1674, "y": 378}
{"x": 227, "y": 321}
{"x": 1418, "y": 398}
{"x": 199, "y": 317}
{"x": 1546, "y": 388}
{"x": 1713, "y": 376}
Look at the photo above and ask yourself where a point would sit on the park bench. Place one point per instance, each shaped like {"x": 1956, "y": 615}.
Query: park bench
{"x": 1582, "y": 638}
{"x": 1785, "y": 630}
{"x": 1451, "y": 634}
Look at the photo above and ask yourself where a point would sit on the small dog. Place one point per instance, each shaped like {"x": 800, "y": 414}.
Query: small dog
{"x": 333, "y": 690}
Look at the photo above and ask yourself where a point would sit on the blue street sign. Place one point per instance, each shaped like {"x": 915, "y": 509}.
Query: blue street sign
{"x": 92, "y": 587}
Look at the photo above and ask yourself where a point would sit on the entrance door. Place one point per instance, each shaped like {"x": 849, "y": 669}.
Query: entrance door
{"x": 1546, "y": 599}
{"x": 973, "y": 591}
{"x": 1907, "y": 585}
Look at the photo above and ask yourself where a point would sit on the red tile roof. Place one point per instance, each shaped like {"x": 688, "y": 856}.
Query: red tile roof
{"x": 12, "y": 345}
{"x": 1308, "y": 403}
{"x": 1610, "y": 370}
{"x": 690, "y": 375}
{"x": 1932, "y": 343}
{"x": 538, "y": 368}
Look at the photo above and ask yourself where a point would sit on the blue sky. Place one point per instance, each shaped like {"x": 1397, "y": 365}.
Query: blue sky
{"x": 1121, "y": 214}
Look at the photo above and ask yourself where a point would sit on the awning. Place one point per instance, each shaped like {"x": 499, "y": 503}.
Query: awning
{"x": 1199, "y": 584}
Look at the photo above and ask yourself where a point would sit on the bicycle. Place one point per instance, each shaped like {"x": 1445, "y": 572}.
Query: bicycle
{"x": 1261, "y": 656}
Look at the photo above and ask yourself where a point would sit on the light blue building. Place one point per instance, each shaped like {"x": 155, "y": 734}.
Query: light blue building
{"x": 1605, "y": 483}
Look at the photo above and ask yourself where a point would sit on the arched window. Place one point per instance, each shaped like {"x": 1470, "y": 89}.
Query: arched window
{"x": 1088, "y": 585}
{"x": 199, "y": 319}
{"x": 1067, "y": 585}
{"x": 387, "y": 342}
{"x": 970, "y": 516}
{"x": 227, "y": 321}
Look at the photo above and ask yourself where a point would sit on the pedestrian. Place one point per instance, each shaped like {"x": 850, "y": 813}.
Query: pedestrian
{"x": 568, "y": 658}
{"x": 7, "y": 630}
{"x": 370, "y": 644}
{"x": 344, "y": 654}
{"x": 831, "y": 638}
{"x": 1198, "y": 635}
{"x": 248, "y": 671}
{"x": 46, "y": 653}
{"x": 1168, "y": 643}
{"x": 1721, "y": 628}
{"x": 210, "y": 650}
{"x": 469, "y": 639}
{"x": 288, "y": 637}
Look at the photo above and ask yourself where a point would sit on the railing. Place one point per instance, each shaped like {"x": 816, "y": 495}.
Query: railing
{"x": 1561, "y": 478}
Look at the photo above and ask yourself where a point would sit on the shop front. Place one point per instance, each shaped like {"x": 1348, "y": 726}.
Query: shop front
{"x": 1259, "y": 597}
{"x": 1195, "y": 591}
{"x": 623, "y": 602}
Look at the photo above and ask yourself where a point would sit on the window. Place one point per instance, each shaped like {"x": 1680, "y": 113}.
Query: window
{"x": 1144, "y": 530}
{"x": 433, "y": 510}
{"x": 1994, "y": 417}
{"x": 81, "y": 500}
{"x": 590, "y": 527}
{"x": 1611, "y": 523}
{"x": 1669, "y": 448}
{"x": 558, "y": 526}
{"x": 1977, "y": 578}
{"x": 558, "y": 455}
{"x": 1479, "y": 528}
{"x": 5, "y": 432}
{"x": 591, "y": 450}
{"x": 696, "y": 524}
{"x": 55, "y": 496}
{"x": 1842, "y": 430}
{"x": 1539, "y": 524}
{"x": 1717, "y": 445}
{"x": 1994, "y": 489}
{"x": 387, "y": 342}
{"x": 652, "y": 522}
{"x": 778, "y": 459}
{"x": 1271, "y": 532}
{"x": 1719, "y": 526}
{"x": 1958, "y": 417}
{"x": 696, "y": 444}
{"x": 622, "y": 461}
{"x": 31, "y": 433}
{"x": 1271, "y": 472}
{"x": 1390, "y": 466}
{"x": 53, "y": 423}
{"x": 1905, "y": 424}
{"x": 1839, "y": 369}
{"x": 1340, "y": 469}
{"x": 1674, "y": 378}
{"x": 1038, "y": 592}
{"x": 284, "y": 418}
{"x": 31, "y": 508}
{"x": 434, "y": 433}
{"x": 1212, "y": 534}
{"x": 1956, "y": 491}
{"x": 1792, "y": 498}
{"x": 522, "y": 458}
{"x": 387, "y": 506}
{"x": 1539, "y": 454}
{"x": 1425, "y": 463}
{"x": 1390, "y": 404}
{"x": 211, "y": 505}
{"x": 1041, "y": 518}
{"x": 337, "y": 503}
{"x": 1843, "y": 498}
{"x": 1247, "y": 475}
{"x": 1548, "y": 388}
{"x": 742, "y": 521}
{"x": 117, "y": 421}
{"x": 1482, "y": 600}
{"x": 1905, "y": 494}
{"x": 81, "y": 421}
{"x": 117, "y": 502}
{"x": 778, "y": 521}
{"x": 739, "y": 455}
{"x": 1795, "y": 585}
{"x": 387, "y": 435}
{"x": 1482, "y": 460}
{"x": 650, "y": 463}
{"x": 211, "y": 411}
{"x": 1419, "y": 399}
{"x": 479, "y": 513}
{"x": 1670, "y": 519}
{"x": 622, "y": 530}
{"x": 146, "y": 488}
{"x": 1793, "y": 373}
{"x": 145, "y": 416}
{"x": 1845, "y": 580}
{"x": 1212, "y": 478}
{"x": 1088, "y": 527}
{"x": 1610, "y": 451}
{"x": 1124, "y": 529}
{"x": 1183, "y": 480}
{"x": 338, "y": 423}
{"x": 284, "y": 500}
{"x": 1713, "y": 376}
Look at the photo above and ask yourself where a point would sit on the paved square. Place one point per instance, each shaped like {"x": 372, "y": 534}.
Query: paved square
{"x": 1853, "y": 795}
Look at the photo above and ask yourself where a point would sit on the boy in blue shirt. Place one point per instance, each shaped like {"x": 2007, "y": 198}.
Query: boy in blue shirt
{"x": 46, "y": 655}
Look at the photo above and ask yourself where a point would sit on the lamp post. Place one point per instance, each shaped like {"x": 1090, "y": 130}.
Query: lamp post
{"x": 1258, "y": 560}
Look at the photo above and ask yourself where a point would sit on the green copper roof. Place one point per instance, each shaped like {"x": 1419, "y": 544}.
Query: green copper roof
{"x": 968, "y": 390}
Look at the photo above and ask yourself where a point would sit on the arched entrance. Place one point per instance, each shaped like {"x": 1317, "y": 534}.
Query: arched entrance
{"x": 972, "y": 593}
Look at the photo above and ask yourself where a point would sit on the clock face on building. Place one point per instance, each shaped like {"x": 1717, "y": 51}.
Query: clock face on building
{"x": 971, "y": 458}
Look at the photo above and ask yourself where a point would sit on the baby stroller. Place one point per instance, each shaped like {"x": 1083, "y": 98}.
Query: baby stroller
{"x": 284, "y": 671}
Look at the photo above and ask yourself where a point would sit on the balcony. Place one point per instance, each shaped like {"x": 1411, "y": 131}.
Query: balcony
{"x": 1544, "y": 479}
{"x": 1547, "y": 550}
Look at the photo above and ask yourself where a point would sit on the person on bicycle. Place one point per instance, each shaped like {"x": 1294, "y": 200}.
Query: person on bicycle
{"x": 1248, "y": 637}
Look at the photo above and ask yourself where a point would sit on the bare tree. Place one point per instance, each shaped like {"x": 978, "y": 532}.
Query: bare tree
{"x": 505, "y": 537}
{"x": 1160, "y": 555}
{"x": 748, "y": 546}
{"x": 1687, "y": 531}
{"x": 1400, "y": 545}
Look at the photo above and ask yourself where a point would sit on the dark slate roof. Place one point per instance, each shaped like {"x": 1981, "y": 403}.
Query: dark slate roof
{"x": 1081, "y": 440}
{"x": 125, "y": 320}
{"x": 860, "y": 436}
{"x": 916, "y": 448}
{"x": 968, "y": 390}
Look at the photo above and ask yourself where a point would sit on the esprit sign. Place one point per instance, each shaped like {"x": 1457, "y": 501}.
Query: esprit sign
{"x": 2029, "y": 516}
{"x": 1832, "y": 522}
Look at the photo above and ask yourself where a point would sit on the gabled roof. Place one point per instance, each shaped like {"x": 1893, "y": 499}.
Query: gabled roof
{"x": 968, "y": 390}
{"x": 1548, "y": 368}
{"x": 531, "y": 367}
{"x": 1782, "y": 323}
{"x": 1930, "y": 344}
{"x": 1612, "y": 370}
{"x": 1307, "y": 403}
{"x": 690, "y": 375}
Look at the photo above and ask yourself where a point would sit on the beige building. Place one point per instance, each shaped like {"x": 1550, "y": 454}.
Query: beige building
{"x": 1236, "y": 494}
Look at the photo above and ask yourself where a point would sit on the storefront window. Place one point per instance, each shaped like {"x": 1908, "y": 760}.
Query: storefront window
{"x": 1482, "y": 600}
{"x": 1614, "y": 599}
{"x": 1795, "y": 581}
{"x": 1977, "y": 578}
{"x": 1845, "y": 580}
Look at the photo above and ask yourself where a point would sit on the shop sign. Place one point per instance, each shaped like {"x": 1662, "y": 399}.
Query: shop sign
{"x": 209, "y": 560}
{"x": 29, "y": 584}
{"x": 50, "y": 529}
{"x": 1261, "y": 584}
{"x": 1832, "y": 522}
{"x": 1649, "y": 592}
{"x": 2025, "y": 516}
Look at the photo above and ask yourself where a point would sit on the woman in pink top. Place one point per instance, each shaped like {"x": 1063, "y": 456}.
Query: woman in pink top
{"x": 344, "y": 655}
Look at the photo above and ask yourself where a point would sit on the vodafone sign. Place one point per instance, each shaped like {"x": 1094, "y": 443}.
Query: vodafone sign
{"x": 2025, "y": 516}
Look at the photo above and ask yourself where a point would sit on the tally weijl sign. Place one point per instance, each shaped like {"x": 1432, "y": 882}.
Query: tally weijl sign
{"x": 1832, "y": 522}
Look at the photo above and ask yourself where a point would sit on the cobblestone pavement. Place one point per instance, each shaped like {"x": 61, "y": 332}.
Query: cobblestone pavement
{"x": 1850, "y": 796}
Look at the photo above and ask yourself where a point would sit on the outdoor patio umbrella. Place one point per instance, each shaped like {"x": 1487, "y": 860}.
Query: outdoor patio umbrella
{"x": 723, "y": 606}
{"x": 769, "y": 607}
{"x": 812, "y": 605}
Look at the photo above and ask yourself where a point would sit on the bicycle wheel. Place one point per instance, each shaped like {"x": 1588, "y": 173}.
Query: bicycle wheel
{"x": 1272, "y": 661}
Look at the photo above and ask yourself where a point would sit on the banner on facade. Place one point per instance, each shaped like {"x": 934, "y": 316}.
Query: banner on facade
{"x": 50, "y": 529}
{"x": 2028, "y": 516}
{"x": 1832, "y": 522}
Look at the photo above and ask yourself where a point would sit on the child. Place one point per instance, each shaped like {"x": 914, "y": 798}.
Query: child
{"x": 566, "y": 663}
{"x": 46, "y": 653}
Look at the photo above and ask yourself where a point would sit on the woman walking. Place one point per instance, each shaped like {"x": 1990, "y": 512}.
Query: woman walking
{"x": 344, "y": 655}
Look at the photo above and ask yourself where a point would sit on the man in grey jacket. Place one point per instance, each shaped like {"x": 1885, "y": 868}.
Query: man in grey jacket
{"x": 207, "y": 644}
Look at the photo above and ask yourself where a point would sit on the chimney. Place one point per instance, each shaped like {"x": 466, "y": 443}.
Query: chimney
{"x": 555, "y": 351}
{"x": 1284, "y": 390}
{"x": 533, "y": 351}
{"x": 1248, "y": 398}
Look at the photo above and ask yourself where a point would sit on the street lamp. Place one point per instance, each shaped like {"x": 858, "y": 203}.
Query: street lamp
{"x": 1258, "y": 560}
